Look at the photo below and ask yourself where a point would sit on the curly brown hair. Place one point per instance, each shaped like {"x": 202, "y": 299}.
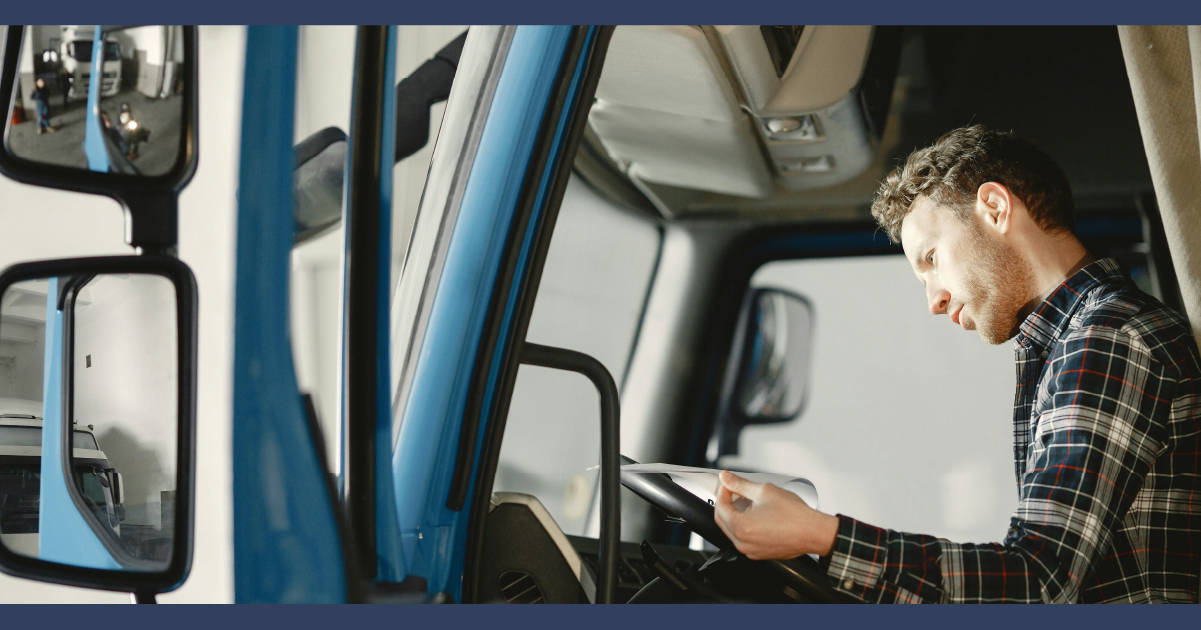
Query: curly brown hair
{"x": 950, "y": 171}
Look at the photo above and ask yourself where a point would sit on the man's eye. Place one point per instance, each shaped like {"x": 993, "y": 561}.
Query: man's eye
{"x": 930, "y": 257}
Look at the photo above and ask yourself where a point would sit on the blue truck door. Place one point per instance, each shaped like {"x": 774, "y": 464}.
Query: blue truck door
{"x": 437, "y": 349}
{"x": 456, "y": 342}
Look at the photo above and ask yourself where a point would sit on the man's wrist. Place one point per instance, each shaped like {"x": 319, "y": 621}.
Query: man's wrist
{"x": 825, "y": 534}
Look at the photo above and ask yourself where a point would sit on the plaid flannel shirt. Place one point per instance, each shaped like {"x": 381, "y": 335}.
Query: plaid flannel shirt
{"x": 1107, "y": 450}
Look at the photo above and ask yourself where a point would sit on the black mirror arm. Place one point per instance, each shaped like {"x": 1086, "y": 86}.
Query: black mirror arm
{"x": 415, "y": 94}
{"x": 610, "y": 469}
{"x": 152, "y": 221}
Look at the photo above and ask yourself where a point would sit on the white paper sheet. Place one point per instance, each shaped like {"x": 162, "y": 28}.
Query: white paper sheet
{"x": 703, "y": 482}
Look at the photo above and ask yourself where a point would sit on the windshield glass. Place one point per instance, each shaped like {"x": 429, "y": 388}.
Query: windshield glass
{"x": 83, "y": 439}
{"x": 81, "y": 50}
{"x": 20, "y": 436}
{"x": 20, "y": 493}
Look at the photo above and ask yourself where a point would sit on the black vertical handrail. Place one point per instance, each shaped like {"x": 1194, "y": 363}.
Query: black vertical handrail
{"x": 610, "y": 462}
{"x": 363, "y": 268}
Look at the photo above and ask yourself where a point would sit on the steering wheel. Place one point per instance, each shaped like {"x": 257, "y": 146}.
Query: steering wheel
{"x": 802, "y": 574}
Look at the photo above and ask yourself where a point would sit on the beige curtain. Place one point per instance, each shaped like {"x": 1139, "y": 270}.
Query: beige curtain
{"x": 1164, "y": 65}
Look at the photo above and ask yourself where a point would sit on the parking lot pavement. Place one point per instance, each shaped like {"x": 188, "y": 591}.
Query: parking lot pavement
{"x": 65, "y": 146}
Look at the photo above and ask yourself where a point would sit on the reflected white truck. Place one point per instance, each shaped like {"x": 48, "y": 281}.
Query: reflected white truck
{"x": 76, "y": 54}
{"x": 20, "y": 479}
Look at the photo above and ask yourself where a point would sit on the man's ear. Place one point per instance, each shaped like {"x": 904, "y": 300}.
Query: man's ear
{"x": 994, "y": 205}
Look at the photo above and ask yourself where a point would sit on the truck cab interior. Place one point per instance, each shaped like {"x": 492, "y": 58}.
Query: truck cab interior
{"x": 449, "y": 280}
{"x": 720, "y": 197}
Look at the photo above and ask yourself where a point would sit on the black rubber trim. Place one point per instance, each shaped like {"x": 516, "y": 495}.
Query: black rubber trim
{"x": 363, "y": 263}
{"x": 490, "y": 454}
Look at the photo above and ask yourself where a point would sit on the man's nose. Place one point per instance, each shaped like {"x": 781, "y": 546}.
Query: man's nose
{"x": 937, "y": 299}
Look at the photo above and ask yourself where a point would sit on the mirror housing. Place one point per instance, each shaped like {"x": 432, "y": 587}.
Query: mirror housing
{"x": 118, "y": 487}
{"x": 319, "y": 168}
{"x": 767, "y": 373}
{"x": 175, "y": 571}
{"x": 149, "y": 201}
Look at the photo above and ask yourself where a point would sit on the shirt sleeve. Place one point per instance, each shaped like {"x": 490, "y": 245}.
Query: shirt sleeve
{"x": 1104, "y": 412}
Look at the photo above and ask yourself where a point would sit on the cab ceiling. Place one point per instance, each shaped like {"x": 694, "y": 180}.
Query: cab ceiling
{"x": 696, "y": 121}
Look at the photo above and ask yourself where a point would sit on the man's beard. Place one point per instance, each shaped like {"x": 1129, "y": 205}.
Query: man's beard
{"x": 997, "y": 284}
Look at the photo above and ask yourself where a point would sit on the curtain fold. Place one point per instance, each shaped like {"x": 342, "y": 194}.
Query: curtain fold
{"x": 1164, "y": 66}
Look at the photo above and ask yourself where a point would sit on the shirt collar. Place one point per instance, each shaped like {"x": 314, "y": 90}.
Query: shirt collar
{"x": 1043, "y": 326}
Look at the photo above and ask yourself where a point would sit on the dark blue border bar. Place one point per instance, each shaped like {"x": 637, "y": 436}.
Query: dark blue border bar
{"x": 613, "y": 12}
{"x": 583, "y": 617}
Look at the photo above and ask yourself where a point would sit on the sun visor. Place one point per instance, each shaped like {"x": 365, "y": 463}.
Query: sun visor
{"x": 665, "y": 110}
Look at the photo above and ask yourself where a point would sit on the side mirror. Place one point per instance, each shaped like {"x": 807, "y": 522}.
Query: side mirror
{"x": 97, "y": 441}
{"x": 317, "y": 180}
{"x": 118, "y": 485}
{"x": 768, "y": 373}
{"x": 130, "y": 135}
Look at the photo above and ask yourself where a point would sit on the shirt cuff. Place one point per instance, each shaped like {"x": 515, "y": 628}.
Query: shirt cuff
{"x": 858, "y": 558}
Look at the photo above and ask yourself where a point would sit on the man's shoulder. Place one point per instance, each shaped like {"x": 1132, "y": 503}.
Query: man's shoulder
{"x": 1142, "y": 320}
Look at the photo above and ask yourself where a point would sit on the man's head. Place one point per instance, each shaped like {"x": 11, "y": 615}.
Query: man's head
{"x": 975, "y": 214}
{"x": 40, "y": 83}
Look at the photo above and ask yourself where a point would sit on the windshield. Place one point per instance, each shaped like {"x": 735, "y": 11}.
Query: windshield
{"x": 81, "y": 50}
{"x": 20, "y": 493}
{"x": 32, "y": 436}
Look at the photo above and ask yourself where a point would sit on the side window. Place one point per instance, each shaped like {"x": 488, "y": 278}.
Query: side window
{"x": 597, "y": 276}
{"x": 323, "y": 99}
{"x": 907, "y": 421}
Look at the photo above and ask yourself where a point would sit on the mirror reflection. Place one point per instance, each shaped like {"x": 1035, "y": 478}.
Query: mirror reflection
{"x": 777, "y": 356}
{"x": 97, "y": 354}
{"x": 129, "y": 122}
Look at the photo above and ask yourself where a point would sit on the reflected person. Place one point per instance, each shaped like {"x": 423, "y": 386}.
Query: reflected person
{"x": 41, "y": 101}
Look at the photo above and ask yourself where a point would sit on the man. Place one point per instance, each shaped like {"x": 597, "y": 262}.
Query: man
{"x": 1107, "y": 438}
{"x": 41, "y": 101}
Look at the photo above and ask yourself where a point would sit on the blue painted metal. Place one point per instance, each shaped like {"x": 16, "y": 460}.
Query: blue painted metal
{"x": 93, "y": 139}
{"x": 433, "y": 535}
{"x": 286, "y": 540}
{"x": 63, "y": 535}
{"x": 527, "y": 242}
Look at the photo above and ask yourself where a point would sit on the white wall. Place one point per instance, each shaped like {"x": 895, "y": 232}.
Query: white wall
{"x": 38, "y": 223}
{"x": 908, "y": 424}
{"x": 22, "y": 342}
{"x": 126, "y": 383}
{"x": 146, "y": 38}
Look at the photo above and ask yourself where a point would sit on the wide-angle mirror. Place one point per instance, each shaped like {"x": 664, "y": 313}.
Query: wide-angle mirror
{"x": 134, "y": 120}
{"x": 92, "y": 412}
{"x": 776, "y": 356}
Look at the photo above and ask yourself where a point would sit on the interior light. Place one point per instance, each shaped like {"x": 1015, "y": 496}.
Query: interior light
{"x": 793, "y": 129}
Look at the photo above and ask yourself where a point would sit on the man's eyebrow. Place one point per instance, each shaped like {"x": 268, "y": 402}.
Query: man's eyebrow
{"x": 917, "y": 253}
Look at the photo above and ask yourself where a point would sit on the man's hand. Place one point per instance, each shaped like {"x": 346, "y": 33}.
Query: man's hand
{"x": 766, "y": 522}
